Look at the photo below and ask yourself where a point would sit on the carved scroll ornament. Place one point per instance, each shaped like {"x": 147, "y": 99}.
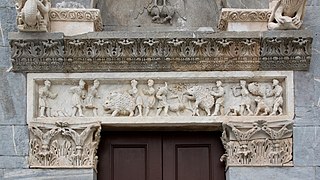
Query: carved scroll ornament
{"x": 63, "y": 145}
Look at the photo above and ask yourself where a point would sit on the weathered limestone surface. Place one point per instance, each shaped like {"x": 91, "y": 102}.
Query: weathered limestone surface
{"x": 274, "y": 173}
{"x": 38, "y": 174}
{"x": 306, "y": 121}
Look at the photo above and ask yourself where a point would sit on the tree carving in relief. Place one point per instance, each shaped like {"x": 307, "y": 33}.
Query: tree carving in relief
{"x": 263, "y": 98}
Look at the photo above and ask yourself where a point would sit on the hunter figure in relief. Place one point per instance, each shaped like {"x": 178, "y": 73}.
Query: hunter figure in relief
{"x": 79, "y": 94}
{"x": 44, "y": 94}
{"x": 92, "y": 94}
{"x": 287, "y": 15}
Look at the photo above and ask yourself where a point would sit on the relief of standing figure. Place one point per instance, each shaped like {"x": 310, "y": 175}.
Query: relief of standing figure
{"x": 92, "y": 93}
{"x": 276, "y": 92}
{"x": 150, "y": 93}
{"x": 79, "y": 94}
{"x": 44, "y": 94}
{"x": 162, "y": 97}
{"x": 219, "y": 96}
{"x": 134, "y": 92}
{"x": 245, "y": 99}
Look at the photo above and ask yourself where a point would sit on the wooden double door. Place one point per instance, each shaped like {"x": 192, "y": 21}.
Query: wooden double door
{"x": 160, "y": 156}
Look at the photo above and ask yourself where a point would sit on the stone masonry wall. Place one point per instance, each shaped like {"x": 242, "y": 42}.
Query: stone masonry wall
{"x": 14, "y": 133}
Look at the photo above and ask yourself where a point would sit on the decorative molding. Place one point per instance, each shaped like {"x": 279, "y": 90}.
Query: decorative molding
{"x": 64, "y": 145}
{"x": 260, "y": 143}
{"x": 242, "y": 15}
{"x": 77, "y": 15}
{"x": 105, "y": 51}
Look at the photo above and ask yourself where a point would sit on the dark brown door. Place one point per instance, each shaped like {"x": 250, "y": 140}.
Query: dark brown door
{"x": 160, "y": 156}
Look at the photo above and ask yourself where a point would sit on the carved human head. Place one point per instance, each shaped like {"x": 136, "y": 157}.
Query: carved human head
{"x": 242, "y": 82}
{"x": 81, "y": 84}
{"x": 150, "y": 82}
{"x": 134, "y": 83}
{"x": 218, "y": 83}
{"x": 275, "y": 82}
{"x": 96, "y": 83}
{"x": 47, "y": 83}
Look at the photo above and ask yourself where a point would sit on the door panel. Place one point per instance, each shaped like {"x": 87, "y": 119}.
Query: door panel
{"x": 160, "y": 156}
{"x": 130, "y": 156}
{"x": 193, "y": 156}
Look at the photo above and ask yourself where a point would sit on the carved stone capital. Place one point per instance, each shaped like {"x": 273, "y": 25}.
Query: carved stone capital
{"x": 63, "y": 145}
{"x": 258, "y": 143}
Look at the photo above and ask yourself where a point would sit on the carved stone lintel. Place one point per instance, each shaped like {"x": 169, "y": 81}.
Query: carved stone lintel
{"x": 99, "y": 54}
{"x": 63, "y": 145}
{"x": 258, "y": 143}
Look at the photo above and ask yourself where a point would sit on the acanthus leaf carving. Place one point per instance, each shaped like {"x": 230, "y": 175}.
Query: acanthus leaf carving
{"x": 63, "y": 145}
{"x": 259, "y": 143}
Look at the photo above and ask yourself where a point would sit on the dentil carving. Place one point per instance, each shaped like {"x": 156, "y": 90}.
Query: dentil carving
{"x": 287, "y": 14}
{"x": 44, "y": 95}
{"x": 32, "y": 15}
{"x": 63, "y": 145}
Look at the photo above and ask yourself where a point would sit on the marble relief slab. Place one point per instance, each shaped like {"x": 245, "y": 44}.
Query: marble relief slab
{"x": 162, "y": 97}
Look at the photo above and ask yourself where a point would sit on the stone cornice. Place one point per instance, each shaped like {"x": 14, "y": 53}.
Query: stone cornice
{"x": 77, "y": 15}
{"x": 174, "y": 51}
{"x": 242, "y": 15}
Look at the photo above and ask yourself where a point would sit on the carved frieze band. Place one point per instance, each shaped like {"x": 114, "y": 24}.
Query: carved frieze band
{"x": 77, "y": 15}
{"x": 242, "y": 15}
{"x": 64, "y": 145}
{"x": 218, "y": 96}
{"x": 260, "y": 143}
{"x": 162, "y": 54}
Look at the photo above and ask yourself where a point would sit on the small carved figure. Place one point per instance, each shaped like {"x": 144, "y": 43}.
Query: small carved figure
{"x": 245, "y": 99}
{"x": 134, "y": 92}
{"x": 78, "y": 97}
{"x": 120, "y": 103}
{"x": 44, "y": 94}
{"x": 92, "y": 93}
{"x": 219, "y": 95}
{"x": 33, "y": 15}
{"x": 203, "y": 99}
{"x": 150, "y": 99}
{"x": 261, "y": 107}
{"x": 287, "y": 14}
{"x": 276, "y": 92}
{"x": 161, "y": 12}
{"x": 162, "y": 97}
